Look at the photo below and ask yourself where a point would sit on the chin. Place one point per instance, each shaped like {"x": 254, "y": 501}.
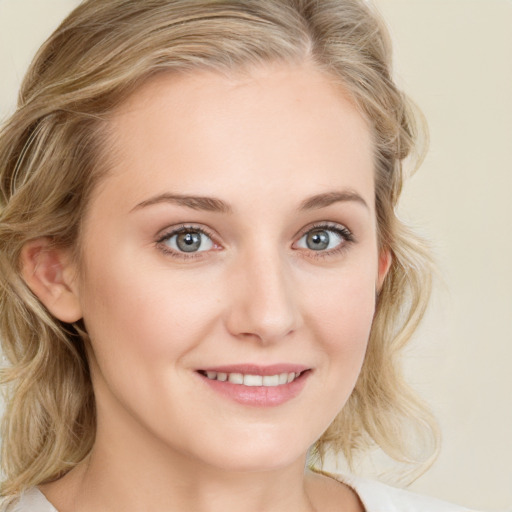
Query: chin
{"x": 257, "y": 454}
{"x": 266, "y": 462}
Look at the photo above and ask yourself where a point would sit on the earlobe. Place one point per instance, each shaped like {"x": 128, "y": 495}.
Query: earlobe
{"x": 49, "y": 273}
{"x": 385, "y": 260}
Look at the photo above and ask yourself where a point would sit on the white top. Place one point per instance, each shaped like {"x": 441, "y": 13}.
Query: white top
{"x": 375, "y": 496}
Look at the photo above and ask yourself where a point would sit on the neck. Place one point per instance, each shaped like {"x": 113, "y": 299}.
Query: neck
{"x": 130, "y": 470}
{"x": 137, "y": 483}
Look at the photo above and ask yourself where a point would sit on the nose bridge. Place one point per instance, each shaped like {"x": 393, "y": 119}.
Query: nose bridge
{"x": 264, "y": 304}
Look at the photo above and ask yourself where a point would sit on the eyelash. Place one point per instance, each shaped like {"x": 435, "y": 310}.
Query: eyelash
{"x": 183, "y": 229}
{"x": 344, "y": 233}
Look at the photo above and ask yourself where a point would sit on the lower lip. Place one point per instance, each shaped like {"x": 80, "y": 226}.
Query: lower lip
{"x": 259, "y": 396}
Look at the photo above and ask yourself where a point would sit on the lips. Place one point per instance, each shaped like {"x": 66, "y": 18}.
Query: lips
{"x": 252, "y": 380}
{"x": 257, "y": 385}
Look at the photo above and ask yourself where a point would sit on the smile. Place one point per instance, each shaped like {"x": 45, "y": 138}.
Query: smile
{"x": 250, "y": 380}
{"x": 257, "y": 386}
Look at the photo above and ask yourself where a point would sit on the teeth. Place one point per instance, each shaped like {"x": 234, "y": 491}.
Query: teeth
{"x": 283, "y": 378}
{"x": 253, "y": 380}
{"x": 236, "y": 378}
{"x": 271, "y": 380}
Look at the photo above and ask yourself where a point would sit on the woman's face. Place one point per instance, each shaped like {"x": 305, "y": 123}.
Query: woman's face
{"x": 230, "y": 265}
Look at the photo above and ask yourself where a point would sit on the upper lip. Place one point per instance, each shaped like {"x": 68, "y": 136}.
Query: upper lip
{"x": 255, "y": 369}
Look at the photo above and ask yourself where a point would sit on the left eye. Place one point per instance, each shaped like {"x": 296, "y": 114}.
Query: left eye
{"x": 189, "y": 240}
{"x": 321, "y": 239}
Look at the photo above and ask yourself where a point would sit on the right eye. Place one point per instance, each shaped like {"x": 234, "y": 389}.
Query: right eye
{"x": 186, "y": 240}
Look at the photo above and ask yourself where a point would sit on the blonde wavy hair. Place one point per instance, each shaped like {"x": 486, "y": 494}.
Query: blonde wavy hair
{"x": 50, "y": 161}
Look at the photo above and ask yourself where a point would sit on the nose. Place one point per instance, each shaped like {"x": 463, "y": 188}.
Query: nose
{"x": 263, "y": 303}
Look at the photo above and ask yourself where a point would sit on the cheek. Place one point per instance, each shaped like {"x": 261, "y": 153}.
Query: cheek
{"x": 344, "y": 301}
{"x": 342, "y": 312}
{"x": 152, "y": 315}
{"x": 340, "y": 316}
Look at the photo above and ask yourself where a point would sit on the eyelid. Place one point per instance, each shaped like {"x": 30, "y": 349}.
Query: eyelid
{"x": 340, "y": 229}
{"x": 171, "y": 231}
{"x": 345, "y": 233}
{"x": 179, "y": 228}
{"x": 328, "y": 226}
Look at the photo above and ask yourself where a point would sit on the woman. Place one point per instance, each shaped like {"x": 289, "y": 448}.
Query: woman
{"x": 203, "y": 278}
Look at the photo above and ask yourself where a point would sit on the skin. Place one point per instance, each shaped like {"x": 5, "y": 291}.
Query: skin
{"x": 263, "y": 143}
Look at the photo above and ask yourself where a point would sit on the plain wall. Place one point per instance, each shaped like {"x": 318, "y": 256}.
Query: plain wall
{"x": 454, "y": 57}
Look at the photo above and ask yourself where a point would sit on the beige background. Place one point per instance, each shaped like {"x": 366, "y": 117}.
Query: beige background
{"x": 454, "y": 57}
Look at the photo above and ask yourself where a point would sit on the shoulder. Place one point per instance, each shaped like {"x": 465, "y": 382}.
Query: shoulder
{"x": 32, "y": 500}
{"x": 374, "y": 495}
{"x": 379, "y": 497}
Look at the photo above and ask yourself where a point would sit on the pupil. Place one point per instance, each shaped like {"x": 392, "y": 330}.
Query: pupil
{"x": 317, "y": 240}
{"x": 189, "y": 242}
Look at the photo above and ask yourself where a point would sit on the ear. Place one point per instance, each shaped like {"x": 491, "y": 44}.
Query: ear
{"x": 50, "y": 274}
{"x": 385, "y": 260}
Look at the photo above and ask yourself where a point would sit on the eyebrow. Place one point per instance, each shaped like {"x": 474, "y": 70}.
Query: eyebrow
{"x": 209, "y": 204}
{"x": 213, "y": 204}
{"x": 323, "y": 200}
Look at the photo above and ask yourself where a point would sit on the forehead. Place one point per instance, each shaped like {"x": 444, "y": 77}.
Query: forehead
{"x": 273, "y": 128}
